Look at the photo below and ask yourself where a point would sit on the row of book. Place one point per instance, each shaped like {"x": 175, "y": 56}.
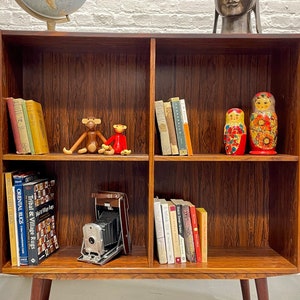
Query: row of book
{"x": 31, "y": 219}
{"x": 181, "y": 231}
{"x": 28, "y": 126}
{"x": 173, "y": 127}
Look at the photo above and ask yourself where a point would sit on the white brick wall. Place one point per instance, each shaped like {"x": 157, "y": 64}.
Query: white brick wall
{"x": 173, "y": 16}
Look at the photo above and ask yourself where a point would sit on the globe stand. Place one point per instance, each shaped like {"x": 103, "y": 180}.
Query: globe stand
{"x": 51, "y": 23}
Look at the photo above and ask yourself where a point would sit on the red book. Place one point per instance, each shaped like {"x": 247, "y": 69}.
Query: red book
{"x": 14, "y": 125}
{"x": 196, "y": 237}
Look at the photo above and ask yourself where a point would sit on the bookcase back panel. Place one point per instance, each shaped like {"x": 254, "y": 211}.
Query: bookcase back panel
{"x": 284, "y": 209}
{"x": 238, "y": 199}
{"x": 104, "y": 83}
{"x": 213, "y": 83}
{"x": 76, "y": 181}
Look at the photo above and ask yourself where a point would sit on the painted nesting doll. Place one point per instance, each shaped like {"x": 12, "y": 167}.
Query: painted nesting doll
{"x": 235, "y": 132}
{"x": 263, "y": 124}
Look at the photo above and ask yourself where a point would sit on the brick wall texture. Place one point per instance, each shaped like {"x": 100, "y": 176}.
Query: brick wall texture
{"x": 152, "y": 16}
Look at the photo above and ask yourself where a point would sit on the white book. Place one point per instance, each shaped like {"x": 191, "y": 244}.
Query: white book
{"x": 159, "y": 231}
{"x": 167, "y": 230}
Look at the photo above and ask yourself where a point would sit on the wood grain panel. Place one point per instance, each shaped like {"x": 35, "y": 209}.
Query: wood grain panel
{"x": 236, "y": 197}
{"x": 71, "y": 86}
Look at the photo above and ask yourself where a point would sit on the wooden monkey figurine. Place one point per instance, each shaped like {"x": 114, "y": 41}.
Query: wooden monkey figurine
{"x": 118, "y": 140}
{"x": 91, "y": 144}
{"x": 235, "y": 132}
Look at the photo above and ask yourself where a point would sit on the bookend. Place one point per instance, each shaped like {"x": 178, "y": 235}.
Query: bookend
{"x": 109, "y": 235}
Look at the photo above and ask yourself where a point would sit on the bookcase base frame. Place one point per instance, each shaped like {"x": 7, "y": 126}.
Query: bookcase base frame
{"x": 41, "y": 289}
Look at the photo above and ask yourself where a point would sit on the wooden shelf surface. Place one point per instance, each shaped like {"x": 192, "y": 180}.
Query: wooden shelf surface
{"x": 145, "y": 157}
{"x": 76, "y": 157}
{"x": 222, "y": 263}
{"x": 229, "y": 158}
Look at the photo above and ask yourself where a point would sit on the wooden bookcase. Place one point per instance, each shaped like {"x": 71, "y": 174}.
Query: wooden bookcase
{"x": 252, "y": 201}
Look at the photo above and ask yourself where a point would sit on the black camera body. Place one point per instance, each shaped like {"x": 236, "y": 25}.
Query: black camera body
{"x": 109, "y": 235}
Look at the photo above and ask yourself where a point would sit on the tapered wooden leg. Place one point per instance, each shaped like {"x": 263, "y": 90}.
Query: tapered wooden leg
{"x": 245, "y": 289}
{"x": 40, "y": 289}
{"x": 262, "y": 288}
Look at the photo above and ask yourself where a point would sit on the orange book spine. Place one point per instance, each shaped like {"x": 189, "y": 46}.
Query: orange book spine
{"x": 202, "y": 228}
{"x": 186, "y": 127}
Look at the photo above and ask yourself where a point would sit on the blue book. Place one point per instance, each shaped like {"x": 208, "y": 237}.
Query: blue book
{"x": 41, "y": 232}
{"x": 19, "y": 179}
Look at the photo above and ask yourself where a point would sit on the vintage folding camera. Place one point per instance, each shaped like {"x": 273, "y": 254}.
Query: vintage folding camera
{"x": 109, "y": 235}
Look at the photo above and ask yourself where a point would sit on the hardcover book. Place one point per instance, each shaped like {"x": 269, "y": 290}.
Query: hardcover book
{"x": 37, "y": 127}
{"x": 18, "y": 107}
{"x": 12, "y": 218}
{"x": 30, "y": 140}
{"x": 159, "y": 232}
{"x": 167, "y": 230}
{"x": 195, "y": 232}
{"x": 19, "y": 179}
{"x": 42, "y": 238}
{"x": 202, "y": 228}
{"x": 186, "y": 127}
{"x": 176, "y": 108}
{"x": 187, "y": 230}
{"x": 171, "y": 127}
{"x": 174, "y": 231}
{"x": 162, "y": 128}
{"x": 180, "y": 230}
{"x": 14, "y": 126}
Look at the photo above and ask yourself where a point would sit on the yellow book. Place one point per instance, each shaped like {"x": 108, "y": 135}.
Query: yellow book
{"x": 12, "y": 222}
{"x": 202, "y": 229}
{"x": 37, "y": 127}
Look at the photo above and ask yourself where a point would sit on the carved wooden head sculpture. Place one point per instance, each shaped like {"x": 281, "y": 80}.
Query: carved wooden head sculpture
{"x": 236, "y": 15}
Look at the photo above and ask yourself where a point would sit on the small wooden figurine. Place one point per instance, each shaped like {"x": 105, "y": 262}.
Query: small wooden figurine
{"x": 118, "y": 141}
{"x": 263, "y": 124}
{"x": 91, "y": 144}
{"x": 235, "y": 132}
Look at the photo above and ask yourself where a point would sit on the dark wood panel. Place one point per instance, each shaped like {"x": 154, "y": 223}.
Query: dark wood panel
{"x": 75, "y": 207}
{"x": 284, "y": 209}
{"x": 72, "y": 86}
{"x": 211, "y": 84}
{"x": 236, "y": 197}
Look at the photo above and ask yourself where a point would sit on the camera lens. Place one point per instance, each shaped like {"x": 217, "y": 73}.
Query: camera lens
{"x": 92, "y": 240}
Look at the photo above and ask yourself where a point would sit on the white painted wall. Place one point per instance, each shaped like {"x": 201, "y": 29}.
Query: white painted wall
{"x": 173, "y": 16}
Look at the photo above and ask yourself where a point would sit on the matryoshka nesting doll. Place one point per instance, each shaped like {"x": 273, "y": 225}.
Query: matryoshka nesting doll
{"x": 235, "y": 132}
{"x": 263, "y": 124}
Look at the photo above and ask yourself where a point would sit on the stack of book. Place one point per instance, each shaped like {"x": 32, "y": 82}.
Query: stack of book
{"x": 173, "y": 127}
{"x": 31, "y": 218}
{"x": 181, "y": 231}
{"x": 28, "y": 126}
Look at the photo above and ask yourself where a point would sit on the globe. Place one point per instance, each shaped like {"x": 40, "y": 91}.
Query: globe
{"x": 51, "y": 11}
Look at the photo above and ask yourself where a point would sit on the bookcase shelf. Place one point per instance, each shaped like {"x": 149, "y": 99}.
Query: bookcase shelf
{"x": 75, "y": 157}
{"x": 252, "y": 201}
{"x": 228, "y": 263}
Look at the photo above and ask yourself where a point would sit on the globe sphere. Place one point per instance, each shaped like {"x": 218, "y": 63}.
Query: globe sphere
{"x": 54, "y": 9}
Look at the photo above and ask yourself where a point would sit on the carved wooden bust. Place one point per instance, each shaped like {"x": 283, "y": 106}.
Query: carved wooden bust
{"x": 236, "y": 15}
